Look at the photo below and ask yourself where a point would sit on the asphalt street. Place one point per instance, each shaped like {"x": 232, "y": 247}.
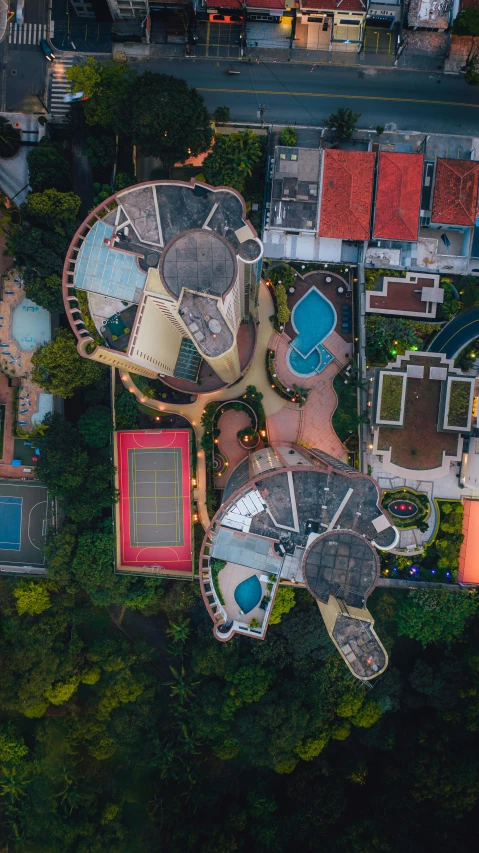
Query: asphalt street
{"x": 304, "y": 94}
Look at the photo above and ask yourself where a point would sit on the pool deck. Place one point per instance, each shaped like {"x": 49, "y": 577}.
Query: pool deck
{"x": 318, "y": 280}
{"x": 229, "y": 578}
{"x": 21, "y": 369}
{"x": 313, "y": 421}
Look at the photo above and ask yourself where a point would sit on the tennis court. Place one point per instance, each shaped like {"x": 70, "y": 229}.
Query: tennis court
{"x": 154, "y": 510}
{"x": 23, "y": 524}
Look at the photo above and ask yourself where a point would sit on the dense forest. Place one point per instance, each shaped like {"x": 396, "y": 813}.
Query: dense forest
{"x": 125, "y": 726}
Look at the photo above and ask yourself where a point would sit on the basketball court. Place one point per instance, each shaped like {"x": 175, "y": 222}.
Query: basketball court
{"x": 23, "y": 524}
{"x": 154, "y": 509}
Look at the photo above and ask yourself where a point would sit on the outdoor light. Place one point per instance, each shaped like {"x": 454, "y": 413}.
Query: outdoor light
{"x": 193, "y": 481}
{"x": 157, "y": 418}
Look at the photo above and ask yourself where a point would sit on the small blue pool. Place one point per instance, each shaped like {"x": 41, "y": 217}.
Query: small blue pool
{"x": 313, "y": 318}
{"x": 315, "y": 362}
{"x": 30, "y": 325}
{"x": 248, "y": 594}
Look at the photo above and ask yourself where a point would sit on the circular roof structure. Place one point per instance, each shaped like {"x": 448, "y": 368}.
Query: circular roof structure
{"x": 343, "y": 564}
{"x": 199, "y": 260}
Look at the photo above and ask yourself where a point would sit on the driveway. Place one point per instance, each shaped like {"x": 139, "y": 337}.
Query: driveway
{"x": 460, "y": 331}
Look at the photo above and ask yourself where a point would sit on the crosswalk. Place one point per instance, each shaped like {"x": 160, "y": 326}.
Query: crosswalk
{"x": 28, "y": 33}
{"x": 60, "y": 87}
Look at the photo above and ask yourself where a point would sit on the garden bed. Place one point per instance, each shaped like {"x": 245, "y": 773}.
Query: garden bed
{"x": 391, "y": 397}
{"x": 408, "y": 496}
{"x": 459, "y": 404}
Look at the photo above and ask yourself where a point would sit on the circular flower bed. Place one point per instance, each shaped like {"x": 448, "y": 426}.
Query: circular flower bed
{"x": 407, "y": 508}
{"x": 248, "y": 438}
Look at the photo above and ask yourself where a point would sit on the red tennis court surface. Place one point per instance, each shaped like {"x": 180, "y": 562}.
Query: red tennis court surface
{"x": 154, "y": 509}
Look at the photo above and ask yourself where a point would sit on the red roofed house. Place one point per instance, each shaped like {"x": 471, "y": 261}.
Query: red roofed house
{"x": 347, "y": 194}
{"x": 469, "y": 556}
{"x": 398, "y": 196}
{"x": 455, "y": 192}
{"x": 336, "y": 22}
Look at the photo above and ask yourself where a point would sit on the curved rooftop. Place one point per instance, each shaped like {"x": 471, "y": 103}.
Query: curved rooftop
{"x": 193, "y": 232}
{"x": 343, "y": 564}
{"x": 199, "y": 260}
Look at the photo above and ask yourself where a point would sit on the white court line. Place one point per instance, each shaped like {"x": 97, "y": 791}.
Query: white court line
{"x": 29, "y": 519}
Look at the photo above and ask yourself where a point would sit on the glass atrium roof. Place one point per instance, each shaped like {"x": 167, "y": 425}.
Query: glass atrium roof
{"x": 101, "y": 269}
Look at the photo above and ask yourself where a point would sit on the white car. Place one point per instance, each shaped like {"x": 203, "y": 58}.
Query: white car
{"x": 73, "y": 96}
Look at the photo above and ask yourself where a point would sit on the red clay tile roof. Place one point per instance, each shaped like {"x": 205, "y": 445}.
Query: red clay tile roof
{"x": 455, "y": 192}
{"x": 466, "y": 4}
{"x": 251, "y": 4}
{"x": 340, "y": 5}
{"x": 347, "y": 194}
{"x": 398, "y": 196}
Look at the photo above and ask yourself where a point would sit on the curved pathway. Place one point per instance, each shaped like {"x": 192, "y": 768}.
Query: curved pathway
{"x": 460, "y": 331}
{"x": 256, "y": 375}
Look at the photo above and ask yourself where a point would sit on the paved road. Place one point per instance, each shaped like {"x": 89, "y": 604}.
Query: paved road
{"x": 460, "y": 331}
{"x": 296, "y": 94}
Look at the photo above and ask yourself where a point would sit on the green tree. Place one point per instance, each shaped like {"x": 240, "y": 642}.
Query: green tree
{"x": 126, "y": 411}
{"x": 283, "y": 603}
{"x": 344, "y": 122}
{"x": 232, "y": 159}
{"x": 93, "y": 567}
{"x": 288, "y": 136}
{"x": 12, "y": 746}
{"x": 433, "y": 616}
{"x": 107, "y": 85}
{"x": 52, "y": 209}
{"x": 95, "y": 426}
{"x": 59, "y": 369}
{"x": 469, "y": 287}
{"x": 100, "y": 150}
{"x": 40, "y": 242}
{"x": 31, "y": 597}
{"x": 466, "y": 23}
{"x": 48, "y": 168}
{"x": 222, "y": 115}
{"x": 167, "y": 118}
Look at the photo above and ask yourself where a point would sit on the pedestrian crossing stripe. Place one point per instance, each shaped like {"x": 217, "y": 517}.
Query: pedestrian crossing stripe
{"x": 27, "y": 33}
{"x": 60, "y": 86}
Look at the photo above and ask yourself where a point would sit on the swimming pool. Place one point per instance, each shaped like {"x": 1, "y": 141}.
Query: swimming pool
{"x": 248, "y": 594}
{"x": 313, "y": 318}
{"x": 315, "y": 362}
{"x": 30, "y": 325}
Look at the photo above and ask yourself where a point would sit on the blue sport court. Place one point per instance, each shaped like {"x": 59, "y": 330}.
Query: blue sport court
{"x": 10, "y": 523}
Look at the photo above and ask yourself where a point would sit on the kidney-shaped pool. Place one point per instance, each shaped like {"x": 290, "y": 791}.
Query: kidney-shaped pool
{"x": 313, "y": 318}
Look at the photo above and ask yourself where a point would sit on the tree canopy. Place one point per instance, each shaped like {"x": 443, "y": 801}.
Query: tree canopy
{"x": 167, "y": 118}
{"x": 466, "y": 22}
{"x": 40, "y": 242}
{"x": 433, "y": 616}
{"x": 59, "y": 369}
{"x": 232, "y": 159}
{"x": 344, "y": 121}
{"x": 48, "y": 168}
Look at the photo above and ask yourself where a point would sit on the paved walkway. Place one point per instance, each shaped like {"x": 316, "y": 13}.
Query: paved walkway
{"x": 256, "y": 375}
{"x": 285, "y": 422}
{"x": 229, "y": 424}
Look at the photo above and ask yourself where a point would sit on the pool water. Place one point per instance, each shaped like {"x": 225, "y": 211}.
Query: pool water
{"x": 30, "y": 325}
{"x": 315, "y": 362}
{"x": 248, "y": 594}
{"x": 313, "y": 318}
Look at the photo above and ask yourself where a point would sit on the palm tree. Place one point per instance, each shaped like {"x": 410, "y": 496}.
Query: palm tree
{"x": 10, "y": 138}
{"x": 181, "y": 687}
{"x": 179, "y": 631}
{"x": 249, "y": 152}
